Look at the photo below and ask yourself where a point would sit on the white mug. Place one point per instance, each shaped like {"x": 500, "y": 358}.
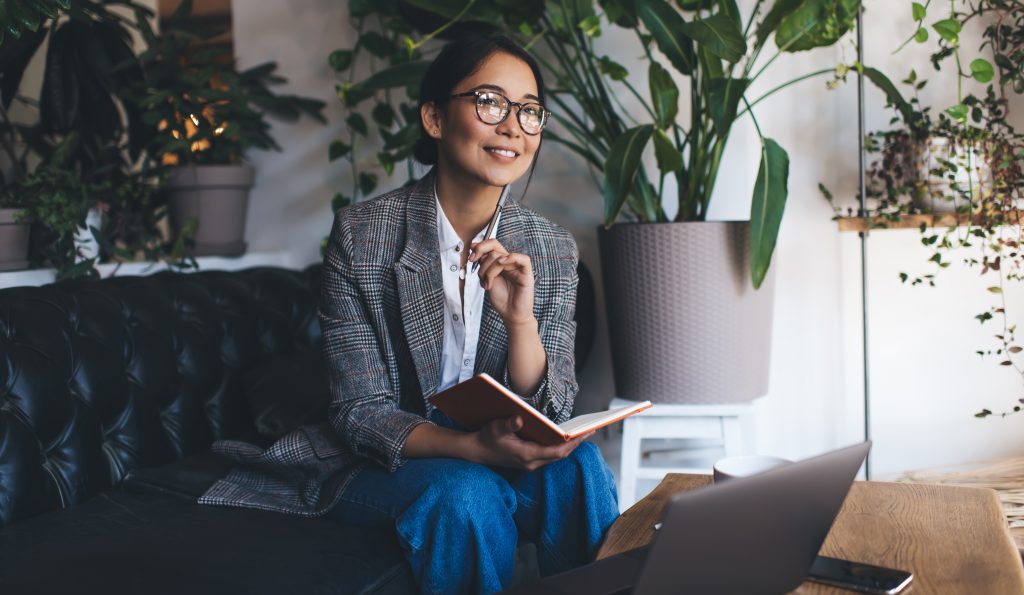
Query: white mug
{"x": 743, "y": 466}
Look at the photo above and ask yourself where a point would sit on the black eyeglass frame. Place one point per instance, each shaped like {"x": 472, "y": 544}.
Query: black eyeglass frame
{"x": 546, "y": 113}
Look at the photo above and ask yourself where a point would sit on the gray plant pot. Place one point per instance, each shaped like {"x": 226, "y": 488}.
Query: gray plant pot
{"x": 684, "y": 320}
{"x": 13, "y": 241}
{"x": 217, "y": 197}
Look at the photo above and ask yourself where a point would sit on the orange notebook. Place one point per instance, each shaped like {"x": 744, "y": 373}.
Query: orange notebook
{"x": 480, "y": 399}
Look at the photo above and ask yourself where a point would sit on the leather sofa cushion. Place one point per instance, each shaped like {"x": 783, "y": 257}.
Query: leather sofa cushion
{"x": 124, "y": 542}
{"x": 187, "y": 478}
{"x": 286, "y": 391}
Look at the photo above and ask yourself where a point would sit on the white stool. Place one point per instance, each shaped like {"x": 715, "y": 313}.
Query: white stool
{"x": 722, "y": 422}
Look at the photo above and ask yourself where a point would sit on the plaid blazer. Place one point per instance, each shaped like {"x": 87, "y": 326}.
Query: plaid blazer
{"x": 382, "y": 320}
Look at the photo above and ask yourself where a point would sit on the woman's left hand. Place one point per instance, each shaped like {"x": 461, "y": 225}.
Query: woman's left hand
{"x": 508, "y": 278}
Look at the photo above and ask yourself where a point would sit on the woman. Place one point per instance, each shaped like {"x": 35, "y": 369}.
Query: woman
{"x": 407, "y": 310}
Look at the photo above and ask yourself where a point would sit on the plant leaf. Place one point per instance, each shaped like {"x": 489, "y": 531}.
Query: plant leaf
{"x": 917, "y": 11}
{"x": 779, "y": 11}
{"x": 769, "y": 203}
{"x": 340, "y": 60}
{"x": 816, "y": 23}
{"x": 729, "y": 9}
{"x": 948, "y": 29}
{"x": 612, "y": 69}
{"x": 337, "y": 149}
{"x": 892, "y": 94}
{"x": 720, "y": 35}
{"x": 981, "y": 70}
{"x": 357, "y": 122}
{"x": 664, "y": 95}
{"x": 408, "y": 74}
{"x": 620, "y": 168}
{"x": 669, "y": 158}
{"x": 958, "y": 112}
{"x": 724, "y": 98}
{"x": 666, "y": 26}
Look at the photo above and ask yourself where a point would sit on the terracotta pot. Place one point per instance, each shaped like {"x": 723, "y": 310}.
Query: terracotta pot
{"x": 217, "y": 197}
{"x": 13, "y": 241}
{"x": 685, "y": 322}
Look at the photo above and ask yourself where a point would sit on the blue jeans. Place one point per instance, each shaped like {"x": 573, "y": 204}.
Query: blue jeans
{"x": 459, "y": 522}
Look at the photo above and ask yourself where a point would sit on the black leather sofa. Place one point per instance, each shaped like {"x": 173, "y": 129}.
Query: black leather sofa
{"x": 112, "y": 392}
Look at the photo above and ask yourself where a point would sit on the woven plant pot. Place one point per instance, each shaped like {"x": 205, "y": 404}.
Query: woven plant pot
{"x": 217, "y": 197}
{"x": 685, "y": 322}
{"x": 13, "y": 241}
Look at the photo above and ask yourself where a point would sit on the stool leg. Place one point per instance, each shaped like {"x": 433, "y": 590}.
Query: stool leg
{"x": 629, "y": 463}
{"x": 732, "y": 435}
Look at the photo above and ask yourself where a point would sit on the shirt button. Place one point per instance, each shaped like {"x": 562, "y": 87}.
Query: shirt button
{"x": 454, "y": 268}
{"x": 458, "y": 248}
{"x": 465, "y": 362}
{"x": 455, "y": 317}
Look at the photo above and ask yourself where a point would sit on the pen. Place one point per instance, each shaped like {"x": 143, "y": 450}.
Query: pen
{"x": 492, "y": 224}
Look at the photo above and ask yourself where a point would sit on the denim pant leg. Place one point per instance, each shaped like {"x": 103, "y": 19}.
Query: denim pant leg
{"x": 454, "y": 519}
{"x": 565, "y": 507}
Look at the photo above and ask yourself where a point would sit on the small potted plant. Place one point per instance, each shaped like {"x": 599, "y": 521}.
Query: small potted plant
{"x": 59, "y": 166}
{"x": 207, "y": 114}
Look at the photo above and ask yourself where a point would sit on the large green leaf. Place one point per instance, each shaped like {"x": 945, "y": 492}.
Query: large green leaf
{"x": 485, "y": 12}
{"x": 724, "y": 98}
{"x": 816, "y": 23}
{"x": 666, "y": 26}
{"x": 18, "y": 16}
{"x": 769, "y": 203}
{"x": 720, "y": 35}
{"x": 15, "y": 55}
{"x": 664, "y": 95}
{"x": 779, "y": 11}
{"x": 668, "y": 156}
{"x": 408, "y": 74}
{"x": 892, "y": 94}
{"x": 729, "y": 8}
{"x": 620, "y": 168}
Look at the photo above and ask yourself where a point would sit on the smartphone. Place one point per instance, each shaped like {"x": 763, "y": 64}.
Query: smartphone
{"x": 858, "y": 577}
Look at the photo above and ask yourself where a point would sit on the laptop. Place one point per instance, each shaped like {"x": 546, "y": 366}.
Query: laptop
{"x": 758, "y": 534}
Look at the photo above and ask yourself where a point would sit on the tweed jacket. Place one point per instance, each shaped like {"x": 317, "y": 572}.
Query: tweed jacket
{"x": 382, "y": 322}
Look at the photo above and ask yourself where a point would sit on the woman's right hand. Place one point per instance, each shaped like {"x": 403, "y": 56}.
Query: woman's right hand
{"x": 497, "y": 444}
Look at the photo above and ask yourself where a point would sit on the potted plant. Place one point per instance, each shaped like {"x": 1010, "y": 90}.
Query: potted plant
{"x": 663, "y": 350}
{"x": 981, "y": 174}
{"x": 207, "y": 114}
{"x": 82, "y": 134}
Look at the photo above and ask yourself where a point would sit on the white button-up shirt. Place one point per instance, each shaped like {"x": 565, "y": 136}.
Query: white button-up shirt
{"x": 461, "y": 313}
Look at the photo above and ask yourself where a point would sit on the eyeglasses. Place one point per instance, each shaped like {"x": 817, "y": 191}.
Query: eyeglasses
{"x": 493, "y": 107}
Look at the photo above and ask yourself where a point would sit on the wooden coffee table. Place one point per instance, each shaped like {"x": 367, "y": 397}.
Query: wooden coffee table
{"x": 954, "y": 539}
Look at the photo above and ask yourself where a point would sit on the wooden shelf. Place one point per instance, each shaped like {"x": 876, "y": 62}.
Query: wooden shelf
{"x": 915, "y": 221}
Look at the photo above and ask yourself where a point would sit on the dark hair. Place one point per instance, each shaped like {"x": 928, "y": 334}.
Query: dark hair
{"x": 460, "y": 59}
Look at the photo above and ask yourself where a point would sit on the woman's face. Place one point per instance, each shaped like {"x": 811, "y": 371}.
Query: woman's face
{"x": 494, "y": 155}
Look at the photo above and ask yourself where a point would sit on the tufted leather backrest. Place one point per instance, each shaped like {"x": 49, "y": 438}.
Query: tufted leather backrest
{"x": 101, "y": 377}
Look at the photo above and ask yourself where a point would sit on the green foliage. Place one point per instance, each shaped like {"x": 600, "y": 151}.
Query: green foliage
{"x": 706, "y": 41}
{"x": 816, "y": 23}
{"x": 20, "y": 16}
{"x": 206, "y": 110}
{"x": 966, "y": 159}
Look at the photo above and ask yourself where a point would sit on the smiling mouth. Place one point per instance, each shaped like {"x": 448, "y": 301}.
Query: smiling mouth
{"x": 502, "y": 152}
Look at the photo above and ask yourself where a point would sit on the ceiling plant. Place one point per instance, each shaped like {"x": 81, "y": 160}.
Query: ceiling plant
{"x": 206, "y": 114}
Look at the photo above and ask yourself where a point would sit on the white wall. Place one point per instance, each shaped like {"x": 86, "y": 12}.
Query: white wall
{"x": 926, "y": 380}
